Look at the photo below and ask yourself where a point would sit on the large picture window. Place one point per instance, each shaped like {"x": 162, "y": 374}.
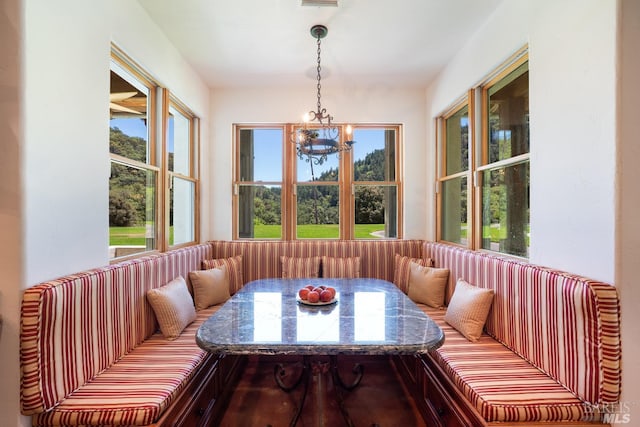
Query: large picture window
{"x": 353, "y": 194}
{"x": 152, "y": 186}
{"x": 483, "y": 201}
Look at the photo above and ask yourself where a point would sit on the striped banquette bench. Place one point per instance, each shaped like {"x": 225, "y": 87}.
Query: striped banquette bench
{"x": 91, "y": 353}
{"x": 549, "y": 353}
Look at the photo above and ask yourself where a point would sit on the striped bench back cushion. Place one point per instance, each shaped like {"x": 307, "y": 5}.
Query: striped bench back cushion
{"x": 261, "y": 259}
{"x": 566, "y": 325}
{"x": 74, "y": 327}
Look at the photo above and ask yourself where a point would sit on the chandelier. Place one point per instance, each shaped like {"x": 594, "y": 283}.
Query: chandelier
{"x": 317, "y": 137}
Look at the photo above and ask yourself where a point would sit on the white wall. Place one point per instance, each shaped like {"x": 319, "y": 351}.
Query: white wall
{"x": 66, "y": 122}
{"x": 348, "y": 104}
{"x": 572, "y": 110}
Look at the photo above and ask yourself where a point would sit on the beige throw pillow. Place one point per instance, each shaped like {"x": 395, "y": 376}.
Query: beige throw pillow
{"x": 234, "y": 270}
{"x": 173, "y": 307}
{"x": 300, "y": 267}
{"x": 210, "y": 287}
{"x": 427, "y": 284}
{"x": 347, "y": 268}
{"x": 468, "y": 309}
{"x": 401, "y": 270}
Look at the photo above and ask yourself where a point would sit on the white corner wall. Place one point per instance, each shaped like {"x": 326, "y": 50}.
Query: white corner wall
{"x": 66, "y": 169}
{"x": 572, "y": 109}
{"x": 347, "y": 103}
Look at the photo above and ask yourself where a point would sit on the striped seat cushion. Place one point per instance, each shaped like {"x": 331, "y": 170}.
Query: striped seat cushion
{"x": 137, "y": 388}
{"x": 499, "y": 383}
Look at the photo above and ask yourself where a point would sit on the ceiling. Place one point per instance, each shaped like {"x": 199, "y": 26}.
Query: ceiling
{"x": 397, "y": 43}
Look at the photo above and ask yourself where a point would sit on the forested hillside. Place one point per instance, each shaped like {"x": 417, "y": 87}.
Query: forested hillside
{"x": 319, "y": 204}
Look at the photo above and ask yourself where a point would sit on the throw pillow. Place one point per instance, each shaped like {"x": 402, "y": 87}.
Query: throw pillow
{"x": 234, "y": 270}
{"x": 210, "y": 287}
{"x": 468, "y": 309}
{"x": 347, "y": 268}
{"x": 427, "y": 284}
{"x": 401, "y": 271}
{"x": 173, "y": 307}
{"x": 293, "y": 268}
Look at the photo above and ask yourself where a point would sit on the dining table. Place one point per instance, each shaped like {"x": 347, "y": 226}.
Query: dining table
{"x": 365, "y": 317}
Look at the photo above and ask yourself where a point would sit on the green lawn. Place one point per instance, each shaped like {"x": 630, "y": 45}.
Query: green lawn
{"x": 311, "y": 231}
{"x": 129, "y": 236}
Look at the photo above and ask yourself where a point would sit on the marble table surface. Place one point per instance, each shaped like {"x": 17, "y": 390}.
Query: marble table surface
{"x": 370, "y": 316}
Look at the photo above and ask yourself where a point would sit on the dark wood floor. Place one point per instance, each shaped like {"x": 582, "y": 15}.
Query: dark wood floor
{"x": 380, "y": 398}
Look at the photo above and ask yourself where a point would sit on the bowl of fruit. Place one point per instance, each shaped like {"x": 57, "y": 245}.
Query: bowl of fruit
{"x": 317, "y": 295}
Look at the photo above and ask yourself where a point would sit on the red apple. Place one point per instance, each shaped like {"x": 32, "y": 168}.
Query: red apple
{"x": 303, "y": 293}
{"x": 332, "y": 290}
{"x": 326, "y": 296}
{"x": 313, "y": 296}
{"x": 310, "y": 287}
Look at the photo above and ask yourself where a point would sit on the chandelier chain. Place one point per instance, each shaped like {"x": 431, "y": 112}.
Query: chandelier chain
{"x": 319, "y": 68}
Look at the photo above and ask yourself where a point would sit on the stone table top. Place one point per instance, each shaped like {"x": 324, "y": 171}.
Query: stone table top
{"x": 369, "y": 316}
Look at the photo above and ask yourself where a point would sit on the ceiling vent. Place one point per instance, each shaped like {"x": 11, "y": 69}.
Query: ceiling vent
{"x": 320, "y": 3}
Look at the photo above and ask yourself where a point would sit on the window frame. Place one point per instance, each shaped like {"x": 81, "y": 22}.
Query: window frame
{"x": 441, "y": 168}
{"x": 476, "y": 98}
{"x": 159, "y": 101}
{"x": 290, "y": 184}
{"x": 194, "y": 169}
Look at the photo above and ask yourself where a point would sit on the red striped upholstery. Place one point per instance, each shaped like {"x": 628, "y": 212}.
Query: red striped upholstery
{"x": 261, "y": 259}
{"x": 77, "y": 326}
{"x": 137, "y": 389}
{"x": 565, "y": 325}
{"x": 499, "y": 383}
{"x": 341, "y": 267}
{"x": 402, "y": 270}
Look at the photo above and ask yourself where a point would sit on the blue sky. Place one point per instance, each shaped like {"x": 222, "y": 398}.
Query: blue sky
{"x": 268, "y": 149}
{"x": 137, "y": 127}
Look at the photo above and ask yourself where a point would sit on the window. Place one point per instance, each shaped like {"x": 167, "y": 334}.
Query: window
{"x": 453, "y": 215}
{"x": 491, "y": 211}
{"x": 259, "y": 182}
{"x": 145, "y": 214}
{"x": 181, "y": 129}
{"x": 375, "y": 183}
{"x": 505, "y": 163}
{"x": 278, "y": 195}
